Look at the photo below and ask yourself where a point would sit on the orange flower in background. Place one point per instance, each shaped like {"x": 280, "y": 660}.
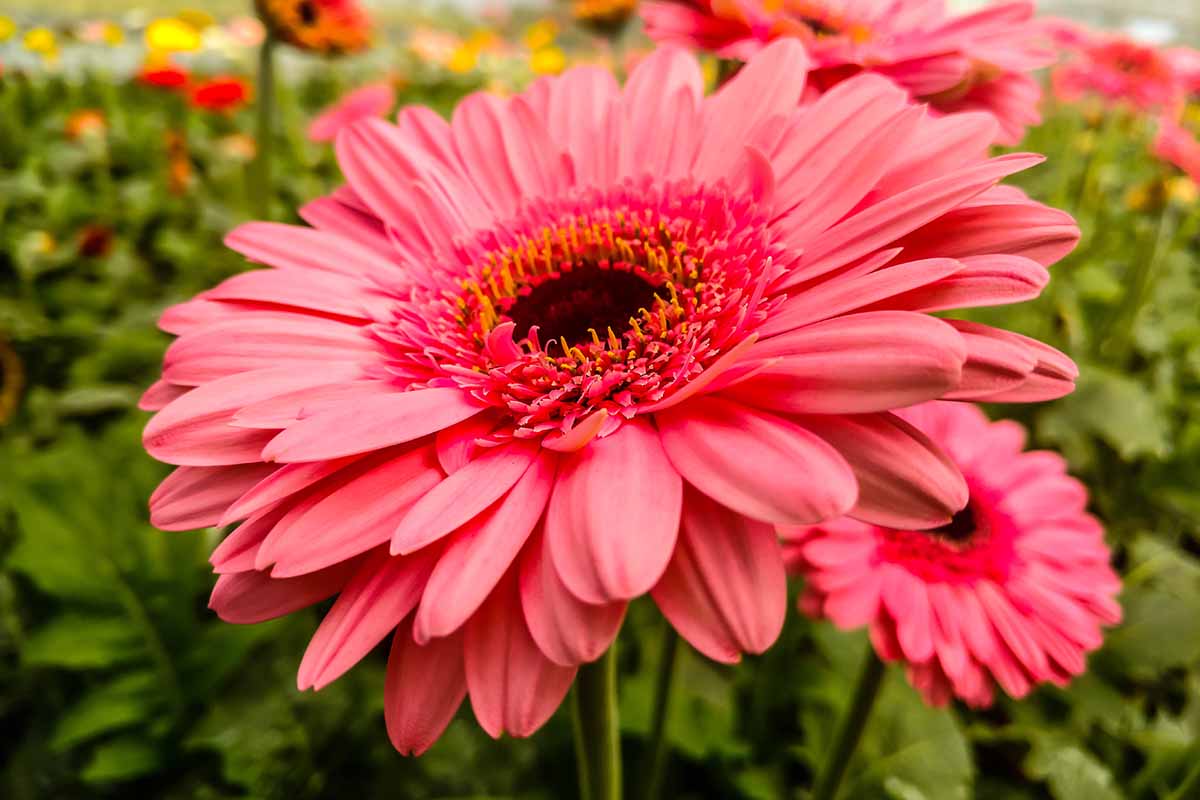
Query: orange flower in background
{"x": 320, "y": 26}
{"x": 179, "y": 163}
{"x": 84, "y": 123}
{"x": 607, "y": 17}
{"x": 224, "y": 94}
{"x": 165, "y": 76}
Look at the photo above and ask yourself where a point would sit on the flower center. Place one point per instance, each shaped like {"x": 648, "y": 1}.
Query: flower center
{"x": 586, "y": 299}
{"x": 960, "y": 529}
{"x": 594, "y": 302}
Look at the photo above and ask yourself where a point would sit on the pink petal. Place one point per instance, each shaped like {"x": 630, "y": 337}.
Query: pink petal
{"x": 248, "y": 343}
{"x": 996, "y": 361}
{"x": 904, "y": 479}
{"x": 872, "y": 361}
{"x": 907, "y": 601}
{"x": 462, "y": 496}
{"x": 424, "y": 688}
{"x": 297, "y": 247}
{"x": 160, "y": 394}
{"x": 238, "y": 551}
{"x": 991, "y": 280}
{"x": 382, "y": 593}
{"x": 284, "y": 482}
{"x": 307, "y": 291}
{"x": 194, "y": 430}
{"x": 244, "y": 598}
{"x": 841, "y": 296}
{"x": 614, "y": 515}
{"x": 514, "y": 688}
{"x": 456, "y": 445}
{"x": 481, "y": 552}
{"x": 882, "y": 224}
{"x": 725, "y": 589}
{"x": 769, "y": 85}
{"x": 196, "y": 497}
{"x": 756, "y": 463}
{"x": 568, "y": 630}
{"x": 285, "y": 410}
{"x": 372, "y": 424}
{"x": 357, "y": 515}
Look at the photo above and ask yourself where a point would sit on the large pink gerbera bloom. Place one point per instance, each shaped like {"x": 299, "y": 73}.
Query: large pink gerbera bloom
{"x": 374, "y": 100}
{"x": 1014, "y": 590}
{"x": 584, "y": 344}
{"x": 974, "y": 62}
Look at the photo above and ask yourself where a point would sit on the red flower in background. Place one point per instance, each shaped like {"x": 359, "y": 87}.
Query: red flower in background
{"x": 170, "y": 77}
{"x": 223, "y": 94}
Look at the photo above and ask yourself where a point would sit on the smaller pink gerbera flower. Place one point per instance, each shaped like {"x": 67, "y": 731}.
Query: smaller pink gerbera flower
{"x": 973, "y": 62}
{"x": 366, "y": 102}
{"x": 1013, "y": 591}
{"x": 1119, "y": 70}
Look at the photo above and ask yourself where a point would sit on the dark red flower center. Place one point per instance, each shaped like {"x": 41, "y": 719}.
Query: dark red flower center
{"x": 960, "y": 529}
{"x": 586, "y": 299}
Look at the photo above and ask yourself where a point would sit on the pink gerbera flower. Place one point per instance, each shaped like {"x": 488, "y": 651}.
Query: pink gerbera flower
{"x": 1177, "y": 146}
{"x": 1119, "y": 70}
{"x": 584, "y": 344}
{"x": 365, "y": 102}
{"x": 1014, "y": 590}
{"x": 976, "y": 62}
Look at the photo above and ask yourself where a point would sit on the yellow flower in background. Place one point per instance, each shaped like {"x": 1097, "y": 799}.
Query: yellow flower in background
{"x": 7, "y": 28}
{"x": 41, "y": 41}
{"x": 484, "y": 39}
{"x": 172, "y": 35}
{"x": 101, "y": 32}
{"x": 548, "y": 61}
{"x": 463, "y": 60}
{"x": 541, "y": 34}
{"x": 1182, "y": 190}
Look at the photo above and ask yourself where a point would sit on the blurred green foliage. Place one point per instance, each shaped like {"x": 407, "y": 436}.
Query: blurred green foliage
{"x": 115, "y": 680}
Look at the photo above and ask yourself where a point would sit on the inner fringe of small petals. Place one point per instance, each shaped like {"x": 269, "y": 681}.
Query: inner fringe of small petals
{"x": 588, "y": 288}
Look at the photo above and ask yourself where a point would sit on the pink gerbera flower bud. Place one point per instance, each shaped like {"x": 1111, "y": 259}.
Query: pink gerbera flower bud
{"x": 1013, "y": 591}
{"x": 974, "y": 62}
{"x": 585, "y": 344}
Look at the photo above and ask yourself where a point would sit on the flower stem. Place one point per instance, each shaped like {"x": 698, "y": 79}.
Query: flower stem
{"x": 660, "y": 745}
{"x": 260, "y": 188}
{"x": 1141, "y": 286}
{"x": 851, "y": 727}
{"x": 597, "y": 734}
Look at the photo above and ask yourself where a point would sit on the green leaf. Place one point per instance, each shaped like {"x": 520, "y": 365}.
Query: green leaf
{"x": 911, "y": 750}
{"x": 1161, "y": 602}
{"x": 120, "y": 703}
{"x": 1114, "y": 407}
{"x": 1071, "y": 772}
{"x": 77, "y": 641}
{"x": 122, "y": 759}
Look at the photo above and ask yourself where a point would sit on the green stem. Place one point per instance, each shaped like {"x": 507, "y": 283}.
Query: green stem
{"x": 260, "y": 189}
{"x": 660, "y": 745}
{"x": 851, "y": 727}
{"x": 597, "y": 734}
